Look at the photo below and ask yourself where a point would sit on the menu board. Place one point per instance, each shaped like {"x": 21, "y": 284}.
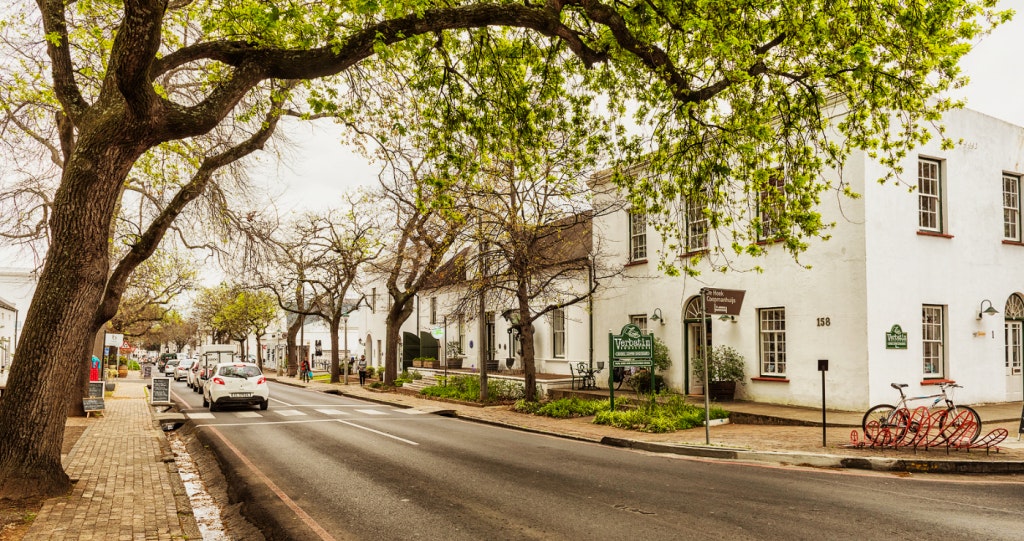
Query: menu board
{"x": 161, "y": 391}
{"x": 95, "y": 389}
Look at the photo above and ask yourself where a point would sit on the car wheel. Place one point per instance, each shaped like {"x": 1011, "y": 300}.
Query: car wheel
{"x": 206, "y": 403}
{"x": 264, "y": 405}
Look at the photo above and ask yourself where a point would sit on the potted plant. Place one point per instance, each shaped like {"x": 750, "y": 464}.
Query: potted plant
{"x": 453, "y": 355}
{"x": 725, "y": 370}
{"x": 641, "y": 381}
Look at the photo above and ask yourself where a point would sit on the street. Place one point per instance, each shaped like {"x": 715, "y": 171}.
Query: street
{"x": 337, "y": 468}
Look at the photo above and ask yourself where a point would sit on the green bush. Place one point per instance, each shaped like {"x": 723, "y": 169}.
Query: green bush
{"x": 467, "y": 388}
{"x": 562, "y": 408}
{"x": 669, "y": 416}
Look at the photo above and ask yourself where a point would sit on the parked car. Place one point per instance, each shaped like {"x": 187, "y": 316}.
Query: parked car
{"x": 192, "y": 379}
{"x": 236, "y": 383}
{"x": 181, "y": 371}
{"x": 161, "y": 363}
{"x": 169, "y": 367}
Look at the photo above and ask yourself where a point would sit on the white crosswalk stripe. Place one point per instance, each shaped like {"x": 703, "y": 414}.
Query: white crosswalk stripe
{"x": 409, "y": 411}
{"x": 372, "y": 412}
{"x": 200, "y": 415}
{"x": 290, "y": 413}
{"x": 248, "y": 414}
{"x": 333, "y": 412}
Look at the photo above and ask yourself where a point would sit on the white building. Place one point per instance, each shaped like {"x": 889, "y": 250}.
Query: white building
{"x": 931, "y": 260}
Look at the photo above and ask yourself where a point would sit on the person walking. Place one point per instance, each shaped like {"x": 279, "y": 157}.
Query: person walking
{"x": 305, "y": 370}
{"x": 362, "y": 369}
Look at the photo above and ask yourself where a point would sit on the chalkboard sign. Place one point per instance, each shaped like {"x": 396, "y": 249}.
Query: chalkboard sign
{"x": 147, "y": 370}
{"x": 95, "y": 389}
{"x": 161, "y": 391}
{"x": 92, "y": 404}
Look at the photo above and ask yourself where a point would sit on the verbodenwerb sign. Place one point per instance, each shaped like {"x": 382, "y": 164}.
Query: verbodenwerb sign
{"x": 630, "y": 347}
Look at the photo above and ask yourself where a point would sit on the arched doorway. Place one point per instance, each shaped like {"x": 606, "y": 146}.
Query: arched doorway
{"x": 692, "y": 320}
{"x": 368, "y": 349}
{"x": 1014, "y": 350}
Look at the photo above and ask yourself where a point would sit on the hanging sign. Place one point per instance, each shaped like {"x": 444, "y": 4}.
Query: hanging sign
{"x": 113, "y": 340}
{"x": 723, "y": 302}
{"x": 896, "y": 338}
{"x": 437, "y": 332}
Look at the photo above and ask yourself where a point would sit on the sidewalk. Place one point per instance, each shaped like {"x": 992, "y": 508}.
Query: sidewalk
{"x": 127, "y": 488}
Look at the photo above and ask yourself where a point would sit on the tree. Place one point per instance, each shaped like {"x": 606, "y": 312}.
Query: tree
{"x": 248, "y": 312}
{"x": 734, "y": 94}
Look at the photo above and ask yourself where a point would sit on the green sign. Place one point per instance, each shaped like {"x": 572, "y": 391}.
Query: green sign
{"x": 630, "y": 343}
{"x": 631, "y": 347}
{"x": 896, "y": 338}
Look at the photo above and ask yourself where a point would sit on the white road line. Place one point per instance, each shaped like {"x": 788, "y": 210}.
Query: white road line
{"x": 289, "y": 413}
{"x": 333, "y": 412}
{"x": 269, "y": 423}
{"x": 368, "y": 429}
{"x": 409, "y": 411}
{"x": 248, "y": 414}
{"x": 373, "y": 412}
{"x": 200, "y": 415}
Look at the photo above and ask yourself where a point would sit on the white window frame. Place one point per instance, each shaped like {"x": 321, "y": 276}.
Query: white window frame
{"x": 1013, "y": 326}
{"x": 933, "y": 340}
{"x": 1011, "y": 207}
{"x": 558, "y": 322}
{"x": 637, "y": 236}
{"x": 772, "y": 341}
{"x": 696, "y": 226}
{"x": 433, "y": 310}
{"x": 929, "y": 195}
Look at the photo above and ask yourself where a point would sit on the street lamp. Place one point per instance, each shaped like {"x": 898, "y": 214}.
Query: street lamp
{"x": 512, "y": 317}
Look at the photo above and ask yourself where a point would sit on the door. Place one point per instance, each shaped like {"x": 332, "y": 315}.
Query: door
{"x": 1013, "y": 361}
{"x": 693, "y": 347}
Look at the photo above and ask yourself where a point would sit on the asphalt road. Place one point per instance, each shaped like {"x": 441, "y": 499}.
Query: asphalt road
{"x": 319, "y": 466}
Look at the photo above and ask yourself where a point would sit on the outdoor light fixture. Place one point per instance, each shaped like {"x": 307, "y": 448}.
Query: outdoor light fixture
{"x": 724, "y": 317}
{"x": 990, "y": 311}
{"x": 656, "y": 316}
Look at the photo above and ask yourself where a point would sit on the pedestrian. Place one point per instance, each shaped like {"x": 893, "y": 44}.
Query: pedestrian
{"x": 305, "y": 370}
{"x": 362, "y": 369}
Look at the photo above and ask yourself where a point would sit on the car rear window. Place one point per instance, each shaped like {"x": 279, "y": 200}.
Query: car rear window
{"x": 239, "y": 371}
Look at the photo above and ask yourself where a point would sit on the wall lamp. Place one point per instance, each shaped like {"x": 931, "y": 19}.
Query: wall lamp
{"x": 656, "y": 316}
{"x": 990, "y": 311}
{"x": 727, "y": 318}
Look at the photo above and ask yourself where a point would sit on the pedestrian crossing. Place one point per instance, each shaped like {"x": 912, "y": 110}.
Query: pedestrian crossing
{"x": 293, "y": 412}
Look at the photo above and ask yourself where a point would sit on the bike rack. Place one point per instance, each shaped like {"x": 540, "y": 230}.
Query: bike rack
{"x": 925, "y": 430}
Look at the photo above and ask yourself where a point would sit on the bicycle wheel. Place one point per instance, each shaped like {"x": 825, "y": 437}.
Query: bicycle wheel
{"x": 950, "y": 415}
{"x": 886, "y": 416}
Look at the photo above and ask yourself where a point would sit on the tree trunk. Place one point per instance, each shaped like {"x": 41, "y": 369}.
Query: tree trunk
{"x": 526, "y": 333}
{"x": 335, "y": 353}
{"x": 58, "y": 327}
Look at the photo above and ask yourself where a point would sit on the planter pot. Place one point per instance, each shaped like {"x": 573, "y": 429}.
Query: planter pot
{"x": 417, "y": 364}
{"x": 722, "y": 390}
{"x": 109, "y": 386}
{"x": 432, "y": 364}
{"x": 122, "y": 371}
{"x": 454, "y": 363}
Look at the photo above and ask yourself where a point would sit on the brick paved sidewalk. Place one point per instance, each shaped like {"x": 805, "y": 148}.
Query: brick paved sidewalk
{"x": 127, "y": 486}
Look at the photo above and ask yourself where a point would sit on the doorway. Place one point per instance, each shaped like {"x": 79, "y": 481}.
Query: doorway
{"x": 1013, "y": 355}
{"x": 692, "y": 319}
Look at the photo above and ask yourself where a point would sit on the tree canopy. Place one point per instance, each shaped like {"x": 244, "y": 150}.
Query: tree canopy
{"x": 724, "y": 97}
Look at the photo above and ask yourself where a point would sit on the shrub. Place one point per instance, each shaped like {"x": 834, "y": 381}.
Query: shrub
{"x": 726, "y": 365}
{"x": 669, "y": 416}
{"x": 467, "y": 388}
{"x": 562, "y": 408}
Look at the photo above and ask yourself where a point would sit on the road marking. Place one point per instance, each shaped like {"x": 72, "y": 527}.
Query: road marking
{"x": 269, "y": 423}
{"x": 248, "y": 414}
{"x": 333, "y": 412}
{"x": 368, "y": 429}
{"x": 289, "y": 413}
{"x": 409, "y": 411}
{"x": 324, "y": 534}
{"x": 373, "y": 412}
{"x": 200, "y": 415}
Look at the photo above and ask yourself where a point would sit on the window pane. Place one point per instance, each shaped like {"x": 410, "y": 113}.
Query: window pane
{"x": 929, "y": 195}
{"x": 558, "y": 333}
{"x": 773, "y": 341}
{"x": 932, "y": 341}
{"x": 1011, "y": 207}
{"x": 637, "y": 237}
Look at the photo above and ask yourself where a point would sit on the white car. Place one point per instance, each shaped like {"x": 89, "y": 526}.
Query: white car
{"x": 170, "y": 367}
{"x": 236, "y": 383}
{"x": 181, "y": 371}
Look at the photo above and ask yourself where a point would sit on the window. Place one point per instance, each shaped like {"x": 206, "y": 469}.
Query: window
{"x": 696, "y": 225}
{"x": 773, "y": 341}
{"x": 933, "y": 340}
{"x": 929, "y": 195}
{"x": 433, "y": 310}
{"x": 462, "y": 333}
{"x": 558, "y": 333}
{"x": 637, "y": 236}
{"x": 1011, "y": 207}
{"x": 771, "y": 202}
{"x": 640, "y": 321}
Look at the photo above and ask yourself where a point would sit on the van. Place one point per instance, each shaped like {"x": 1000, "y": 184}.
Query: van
{"x": 209, "y": 356}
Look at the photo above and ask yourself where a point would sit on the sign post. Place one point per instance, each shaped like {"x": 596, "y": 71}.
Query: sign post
{"x": 631, "y": 347}
{"x": 823, "y": 367}
{"x": 725, "y": 302}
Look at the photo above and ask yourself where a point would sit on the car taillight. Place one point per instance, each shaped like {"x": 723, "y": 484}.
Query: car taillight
{"x": 261, "y": 381}
{"x": 218, "y": 380}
